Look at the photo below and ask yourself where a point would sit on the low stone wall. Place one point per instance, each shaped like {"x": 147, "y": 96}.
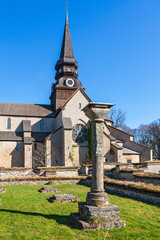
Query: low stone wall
{"x": 153, "y": 167}
{"x": 133, "y": 195}
{"x": 128, "y": 175}
{"x": 139, "y": 194}
{"x": 23, "y": 172}
{"x": 154, "y": 180}
{"x": 85, "y": 170}
{"x": 39, "y": 182}
{"x": 134, "y": 175}
{"x": 109, "y": 165}
{"x": 67, "y": 172}
{"x": 14, "y": 172}
{"x": 59, "y": 172}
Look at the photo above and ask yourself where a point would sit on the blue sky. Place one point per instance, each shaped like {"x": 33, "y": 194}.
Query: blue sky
{"x": 116, "y": 43}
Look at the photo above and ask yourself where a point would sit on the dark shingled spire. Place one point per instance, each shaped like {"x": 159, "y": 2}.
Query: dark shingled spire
{"x": 67, "y": 50}
{"x": 66, "y": 71}
{"x": 66, "y": 66}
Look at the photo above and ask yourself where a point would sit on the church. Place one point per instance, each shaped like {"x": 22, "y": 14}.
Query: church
{"x": 36, "y": 135}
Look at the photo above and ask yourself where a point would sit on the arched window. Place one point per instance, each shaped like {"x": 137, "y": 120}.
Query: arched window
{"x": 42, "y": 124}
{"x": 35, "y": 146}
{"x": 8, "y": 123}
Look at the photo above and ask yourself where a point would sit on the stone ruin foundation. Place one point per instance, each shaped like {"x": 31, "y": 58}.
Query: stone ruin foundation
{"x": 97, "y": 212}
{"x": 63, "y": 198}
{"x": 49, "y": 189}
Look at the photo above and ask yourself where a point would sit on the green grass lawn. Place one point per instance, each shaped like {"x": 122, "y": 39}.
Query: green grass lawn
{"x": 26, "y": 214}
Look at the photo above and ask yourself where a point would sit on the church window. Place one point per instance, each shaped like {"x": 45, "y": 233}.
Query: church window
{"x": 79, "y": 133}
{"x": 42, "y": 124}
{"x": 129, "y": 161}
{"x": 17, "y": 146}
{"x": 80, "y": 106}
{"x": 35, "y": 146}
{"x": 8, "y": 123}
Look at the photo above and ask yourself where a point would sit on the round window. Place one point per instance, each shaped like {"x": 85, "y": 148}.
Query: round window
{"x": 70, "y": 82}
{"x": 79, "y": 133}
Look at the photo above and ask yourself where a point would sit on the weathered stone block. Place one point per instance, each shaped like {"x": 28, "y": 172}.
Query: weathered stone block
{"x": 49, "y": 190}
{"x": 64, "y": 198}
{"x": 91, "y": 217}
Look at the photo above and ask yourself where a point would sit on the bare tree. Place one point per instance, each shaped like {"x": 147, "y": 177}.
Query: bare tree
{"x": 142, "y": 135}
{"x": 118, "y": 117}
{"x": 155, "y": 138}
{"x": 149, "y": 135}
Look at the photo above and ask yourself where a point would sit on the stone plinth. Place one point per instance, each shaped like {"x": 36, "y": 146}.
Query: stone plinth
{"x": 64, "y": 198}
{"x": 91, "y": 217}
{"x": 49, "y": 190}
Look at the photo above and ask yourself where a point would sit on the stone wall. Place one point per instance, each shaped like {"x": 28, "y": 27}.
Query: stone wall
{"x": 55, "y": 172}
{"x": 38, "y": 154}
{"x": 72, "y": 109}
{"x": 57, "y": 158}
{"x": 146, "y": 153}
{"x": 67, "y": 148}
{"x": 133, "y": 194}
{"x": 67, "y": 172}
{"x": 153, "y": 167}
{"x": 133, "y": 157}
{"x": 12, "y": 173}
{"x": 109, "y": 166}
{"x": 80, "y": 154}
{"x": 16, "y": 124}
{"x": 10, "y": 156}
{"x": 39, "y": 182}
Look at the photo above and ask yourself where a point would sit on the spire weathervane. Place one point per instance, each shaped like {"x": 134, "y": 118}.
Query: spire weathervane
{"x": 67, "y": 11}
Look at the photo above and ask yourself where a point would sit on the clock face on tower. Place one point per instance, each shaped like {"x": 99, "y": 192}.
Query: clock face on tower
{"x": 70, "y": 82}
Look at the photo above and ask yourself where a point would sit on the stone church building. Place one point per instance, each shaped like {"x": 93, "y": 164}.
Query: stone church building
{"x": 58, "y": 134}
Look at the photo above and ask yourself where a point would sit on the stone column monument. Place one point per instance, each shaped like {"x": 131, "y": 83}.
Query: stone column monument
{"x": 97, "y": 212}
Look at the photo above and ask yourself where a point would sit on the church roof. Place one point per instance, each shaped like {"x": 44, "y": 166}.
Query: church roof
{"x": 129, "y": 151}
{"x": 18, "y": 136}
{"x": 27, "y": 110}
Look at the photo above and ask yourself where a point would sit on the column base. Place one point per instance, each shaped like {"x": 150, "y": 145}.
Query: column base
{"x": 98, "y": 199}
{"x": 92, "y": 217}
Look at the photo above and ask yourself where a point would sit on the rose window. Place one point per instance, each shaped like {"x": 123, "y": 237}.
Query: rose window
{"x": 79, "y": 133}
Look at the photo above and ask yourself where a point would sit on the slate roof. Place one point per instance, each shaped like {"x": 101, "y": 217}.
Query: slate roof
{"x": 67, "y": 123}
{"x": 116, "y": 146}
{"x": 129, "y": 151}
{"x": 11, "y": 136}
{"x": 18, "y": 136}
{"x": 27, "y": 110}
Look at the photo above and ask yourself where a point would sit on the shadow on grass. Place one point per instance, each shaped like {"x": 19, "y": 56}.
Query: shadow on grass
{"x": 61, "y": 219}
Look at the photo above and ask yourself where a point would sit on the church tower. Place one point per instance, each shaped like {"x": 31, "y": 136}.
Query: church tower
{"x": 66, "y": 71}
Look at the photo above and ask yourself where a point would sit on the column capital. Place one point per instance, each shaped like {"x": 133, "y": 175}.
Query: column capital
{"x": 97, "y": 112}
